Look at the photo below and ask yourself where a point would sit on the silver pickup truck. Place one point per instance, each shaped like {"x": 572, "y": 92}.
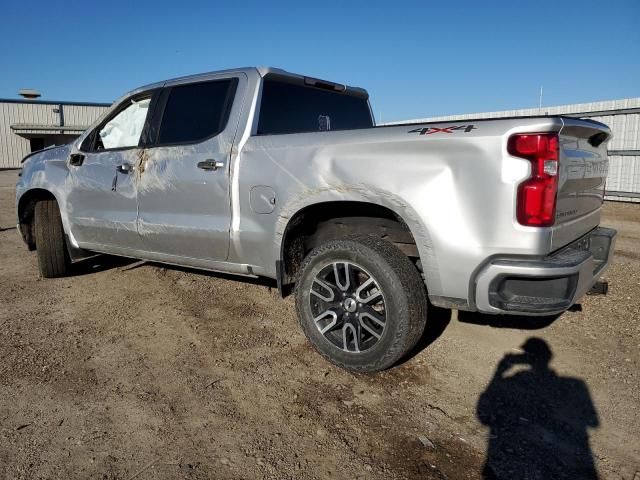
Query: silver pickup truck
{"x": 260, "y": 172}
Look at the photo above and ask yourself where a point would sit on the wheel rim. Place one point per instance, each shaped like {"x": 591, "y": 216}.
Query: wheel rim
{"x": 348, "y": 306}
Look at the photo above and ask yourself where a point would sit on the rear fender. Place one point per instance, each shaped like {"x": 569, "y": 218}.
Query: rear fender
{"x": 370, "y": 195}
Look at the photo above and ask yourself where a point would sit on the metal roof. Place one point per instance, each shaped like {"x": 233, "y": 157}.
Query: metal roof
{"x": 261, "y": 71}
{"x": 53, "y": 102}
{"x": 21, "y": 127}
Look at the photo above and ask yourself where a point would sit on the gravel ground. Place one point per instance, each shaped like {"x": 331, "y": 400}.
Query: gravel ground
{"x": 130, "y": 370}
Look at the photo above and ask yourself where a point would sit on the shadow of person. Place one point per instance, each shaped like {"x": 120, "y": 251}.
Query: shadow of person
{"x": 539, "y": 420}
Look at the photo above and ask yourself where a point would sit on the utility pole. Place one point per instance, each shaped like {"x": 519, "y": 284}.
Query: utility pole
{"x": 540, "y": 101}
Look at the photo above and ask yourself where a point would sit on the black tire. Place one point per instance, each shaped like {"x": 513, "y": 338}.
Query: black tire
{"x": 404, "y": 302}
{"x": 53, "y": 258}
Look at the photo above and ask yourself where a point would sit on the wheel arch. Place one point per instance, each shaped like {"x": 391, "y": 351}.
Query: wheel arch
{"x": 321, "y": 220}
{"x": 26, "y": 211}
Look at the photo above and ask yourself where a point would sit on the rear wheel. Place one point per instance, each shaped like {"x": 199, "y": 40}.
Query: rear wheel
{"x": 361, "y": 303}
{"x": 53, "y": 258}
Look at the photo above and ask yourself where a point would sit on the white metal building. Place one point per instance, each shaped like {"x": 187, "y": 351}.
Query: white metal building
{"x": 622, "y": 116}
{"x": 29, "y": 125}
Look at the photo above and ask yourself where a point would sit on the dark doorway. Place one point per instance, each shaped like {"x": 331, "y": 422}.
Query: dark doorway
{"x": 36, "y": 143}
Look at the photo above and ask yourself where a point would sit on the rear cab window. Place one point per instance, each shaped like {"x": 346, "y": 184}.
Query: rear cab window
{"x": 289, "y": 105}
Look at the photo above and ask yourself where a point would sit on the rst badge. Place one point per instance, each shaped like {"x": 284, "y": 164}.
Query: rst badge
{"x": 450, "y": 129}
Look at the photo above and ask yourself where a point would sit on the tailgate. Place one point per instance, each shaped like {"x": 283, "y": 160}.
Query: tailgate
{"x": 583, "y": 170}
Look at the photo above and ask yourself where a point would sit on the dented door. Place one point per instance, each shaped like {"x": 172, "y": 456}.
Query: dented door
{"x": 101, "y": 202}
{"x": 183, "y": 185}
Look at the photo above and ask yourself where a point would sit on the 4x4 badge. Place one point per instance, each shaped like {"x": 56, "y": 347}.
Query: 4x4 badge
{"x": 451, "y": 129}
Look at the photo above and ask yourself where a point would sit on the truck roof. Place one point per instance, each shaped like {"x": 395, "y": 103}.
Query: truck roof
{"x": 249, "y": 71}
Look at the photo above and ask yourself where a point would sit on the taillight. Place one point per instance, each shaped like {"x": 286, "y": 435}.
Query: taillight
{"x": 536, "y": 204}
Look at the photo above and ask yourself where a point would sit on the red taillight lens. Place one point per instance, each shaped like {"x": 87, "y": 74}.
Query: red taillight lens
{"x": 536, "y": 205}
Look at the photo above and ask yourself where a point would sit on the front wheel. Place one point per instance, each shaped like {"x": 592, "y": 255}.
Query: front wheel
{"x": 361, "y": 302}
{"x": 53, "y": 258}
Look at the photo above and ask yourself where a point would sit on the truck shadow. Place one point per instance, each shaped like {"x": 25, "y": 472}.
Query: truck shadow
{"x": 99, "y": 263}
{"x": 438, "y": 320}
{"x": 539, "y": 421}
{"x": 520, "y": 322}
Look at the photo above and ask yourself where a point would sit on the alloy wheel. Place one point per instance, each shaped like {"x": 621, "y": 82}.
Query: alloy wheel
{"x": 348, "y": 306}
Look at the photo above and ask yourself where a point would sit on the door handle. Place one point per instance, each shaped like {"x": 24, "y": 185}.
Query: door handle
{"x": 125, "y": 168}
{"x": 76, "y": 159}
{"x": 210, "y": 165}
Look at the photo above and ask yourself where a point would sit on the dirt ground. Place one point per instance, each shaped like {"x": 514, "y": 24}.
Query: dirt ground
{"x": 130, "y": 371}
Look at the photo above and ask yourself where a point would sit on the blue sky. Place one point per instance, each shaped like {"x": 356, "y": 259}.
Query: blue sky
{"x": 416, "y": 59}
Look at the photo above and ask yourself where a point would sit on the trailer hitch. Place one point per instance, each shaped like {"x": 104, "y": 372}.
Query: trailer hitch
{"x": 599, "y": 288}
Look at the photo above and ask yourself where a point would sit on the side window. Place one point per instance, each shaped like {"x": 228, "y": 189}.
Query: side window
{"x": 125, "y": 128}
{"x": 196, "y": 111}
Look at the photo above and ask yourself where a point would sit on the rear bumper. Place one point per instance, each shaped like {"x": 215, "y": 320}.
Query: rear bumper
{"x": 545, "y": 286}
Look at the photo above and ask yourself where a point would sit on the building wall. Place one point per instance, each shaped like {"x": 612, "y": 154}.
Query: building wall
{"x": 14, "y": 146}
{"x": 624, "y": 170}
{"x": 622, "y": 116}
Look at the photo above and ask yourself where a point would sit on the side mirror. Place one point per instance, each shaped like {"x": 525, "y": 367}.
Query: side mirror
{"x": 76, "y": 159}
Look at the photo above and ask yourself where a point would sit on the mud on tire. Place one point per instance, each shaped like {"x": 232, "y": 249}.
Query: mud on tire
{"x": 361, "y": 302}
